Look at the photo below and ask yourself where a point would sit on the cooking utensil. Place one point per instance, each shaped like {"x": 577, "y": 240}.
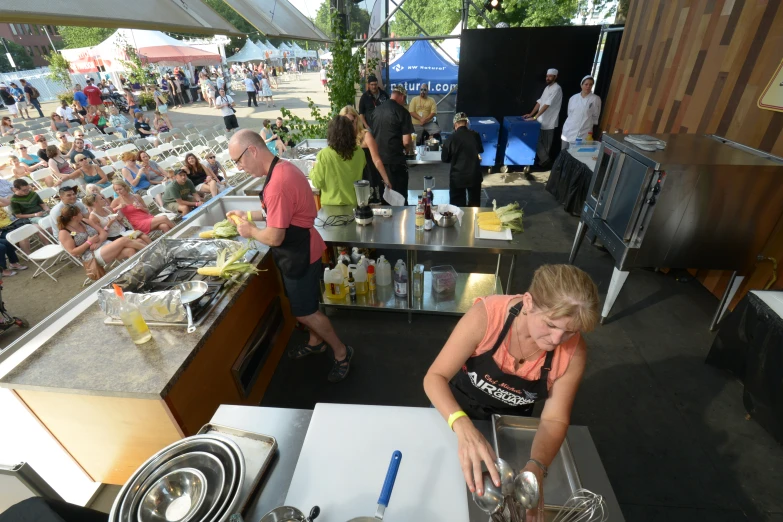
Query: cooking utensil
{"x": 290, "y": 514}
{"x": 446, "y": 221}
{"x": 386, "y": 491}
{"x": 175, "y": 497}
{"x": 506, "y": 477}
{"x": 491, "y": 502}
{"x": 191, "y": 291}
{"x": 583, "y": 506}
{"x": 526, "y": 489}
{"x": 209, "y": 465}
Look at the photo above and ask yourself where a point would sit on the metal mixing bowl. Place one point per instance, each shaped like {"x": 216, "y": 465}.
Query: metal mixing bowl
{"x": 208, "y": 464}
{"x": 446, "y": 221}
{"x": 225, "y": 449}
{"x": 175, "y": 497}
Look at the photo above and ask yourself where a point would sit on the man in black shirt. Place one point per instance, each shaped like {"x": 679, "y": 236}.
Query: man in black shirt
{"x": 462, "y": 150}
{"x": 40, "y": 139}
{"x": 392, "y": 127}
{"x": 373, "y": 97}
{"x": 283, "y": 133}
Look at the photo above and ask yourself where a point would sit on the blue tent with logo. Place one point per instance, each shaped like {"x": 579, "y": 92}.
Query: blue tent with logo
{"x": 422, "y": 64}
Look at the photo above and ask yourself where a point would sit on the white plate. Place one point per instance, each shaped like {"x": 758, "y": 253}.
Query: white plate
{"x": 504, "y": 235}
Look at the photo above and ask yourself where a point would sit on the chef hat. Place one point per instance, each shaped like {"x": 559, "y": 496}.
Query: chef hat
{"x": 586, "y": 77}
{"x": 552, "y": 71}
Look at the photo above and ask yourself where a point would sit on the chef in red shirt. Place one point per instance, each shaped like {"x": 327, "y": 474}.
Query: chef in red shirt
{"x": 93, "y": 93}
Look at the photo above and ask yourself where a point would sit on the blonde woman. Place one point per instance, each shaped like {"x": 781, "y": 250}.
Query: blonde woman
{"x": 374, "y": 171}
{"x": 134, "y": 209}
{"x": 509, "y": 352}
{"x": 101, "y": 217}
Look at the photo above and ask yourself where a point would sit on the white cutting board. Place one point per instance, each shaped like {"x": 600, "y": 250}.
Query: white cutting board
{"x": 347, "y": 451}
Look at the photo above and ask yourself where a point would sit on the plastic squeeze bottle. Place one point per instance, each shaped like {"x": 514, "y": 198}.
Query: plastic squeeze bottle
{"x": 132, "y": 319}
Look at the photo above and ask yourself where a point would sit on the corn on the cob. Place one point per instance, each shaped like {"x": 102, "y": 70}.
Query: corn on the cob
{"x": 225, "y": 266}
{"x": 489, "y": 220}
{"x": 485, "y": 214}
{"x": 212, "y": 271}
{"x": 208, "y": 234}
{"x": 235, "y": 219}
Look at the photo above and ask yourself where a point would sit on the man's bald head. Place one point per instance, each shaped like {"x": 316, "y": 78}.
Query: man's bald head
{"x": 250, "y": 152}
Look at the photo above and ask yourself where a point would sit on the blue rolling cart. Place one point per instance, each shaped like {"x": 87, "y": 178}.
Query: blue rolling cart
{"x": 518, "y": 140}
{"x": 489, "y": 130}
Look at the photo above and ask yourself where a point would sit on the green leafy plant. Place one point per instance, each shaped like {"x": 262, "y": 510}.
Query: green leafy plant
{"x": 59, "y": 69}
{"x": 66, "y": 96}
{"x": 146, "y": 99}
{"x": 137, "y": 70}
{"x": 343, "y": 76}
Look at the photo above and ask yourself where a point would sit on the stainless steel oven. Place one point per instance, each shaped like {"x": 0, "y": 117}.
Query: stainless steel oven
{"x": 701, "y": 202}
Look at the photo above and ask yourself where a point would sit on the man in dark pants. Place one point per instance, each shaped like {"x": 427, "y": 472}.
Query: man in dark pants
{"x": 392, "y": 127}
{"x": 462, "y": 150}
{"x": 372, "y": 97}
{"x": 30, "y": 92}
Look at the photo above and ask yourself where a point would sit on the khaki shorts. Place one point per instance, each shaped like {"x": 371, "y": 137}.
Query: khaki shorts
{"x": 172, "y": 207}
{"x": 21, "y": 105}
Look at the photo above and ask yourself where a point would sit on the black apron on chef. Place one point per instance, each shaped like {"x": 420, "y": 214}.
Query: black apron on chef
{"x": 481, "y": 388}
{"x": 292, "y": 257}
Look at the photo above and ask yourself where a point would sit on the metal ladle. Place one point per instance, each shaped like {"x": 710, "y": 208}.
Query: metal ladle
{"x": 491, "y": 502}
{"x": 526, "y": 489}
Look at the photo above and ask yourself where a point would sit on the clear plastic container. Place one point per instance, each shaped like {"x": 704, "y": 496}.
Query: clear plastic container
{"x": 383, "y": 272}
{"x": 132, "y": 319}
{"x": 400, "y": 279}
{"x": 333, "y": 284}
{"x": 360, "y": 277}
{"x": 444, "y": 280}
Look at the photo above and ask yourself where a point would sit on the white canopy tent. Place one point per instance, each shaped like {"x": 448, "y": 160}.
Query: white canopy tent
{"x": 250, "y": 52}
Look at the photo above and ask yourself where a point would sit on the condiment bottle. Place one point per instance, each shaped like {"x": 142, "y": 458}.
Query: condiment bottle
{"x": 132, "y": 319}
{"x": 371, "y": 278}
{"x": 351, "y": 287}
{"x": 420, "y": 214}
{"x": 428, "y": 224}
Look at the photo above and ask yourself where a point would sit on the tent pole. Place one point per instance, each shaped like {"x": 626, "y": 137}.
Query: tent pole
{"x": 388, "y": 58}
{"x": 425, "y": 32}
{"x": 481, "y": 13}
{"x": 412, "y": 38}
{"x": 385, "y": 22}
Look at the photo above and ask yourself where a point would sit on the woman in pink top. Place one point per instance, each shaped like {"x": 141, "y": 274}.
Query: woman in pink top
{"x": 506, "y": 354}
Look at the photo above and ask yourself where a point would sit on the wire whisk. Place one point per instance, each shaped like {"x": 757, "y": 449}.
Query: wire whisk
{"x": 583, "y": 506}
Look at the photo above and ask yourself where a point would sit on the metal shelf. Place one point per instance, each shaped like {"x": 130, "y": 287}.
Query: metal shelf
{"x": 469, "y": 287}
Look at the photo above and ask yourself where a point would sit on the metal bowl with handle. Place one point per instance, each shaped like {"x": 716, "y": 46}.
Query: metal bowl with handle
{"x": 191, "y": 291}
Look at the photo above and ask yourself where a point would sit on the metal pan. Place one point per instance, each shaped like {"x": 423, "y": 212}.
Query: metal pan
{"x": 189, "y": 292}
{"x": 388, "y": 485}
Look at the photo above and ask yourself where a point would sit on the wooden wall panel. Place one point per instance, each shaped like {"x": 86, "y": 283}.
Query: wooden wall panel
{"x": 699, "y": 66}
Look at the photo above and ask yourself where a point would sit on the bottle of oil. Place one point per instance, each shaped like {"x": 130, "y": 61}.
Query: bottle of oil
{"x": 420, "y": 215}
{"x": 132, "y": 319}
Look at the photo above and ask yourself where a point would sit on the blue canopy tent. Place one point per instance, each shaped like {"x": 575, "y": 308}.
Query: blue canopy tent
{"x": 422, "y": 64}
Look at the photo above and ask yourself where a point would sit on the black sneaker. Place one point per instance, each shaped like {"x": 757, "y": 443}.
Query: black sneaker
{"x": 298, "y": 352}
{"x": 340, "y": 368}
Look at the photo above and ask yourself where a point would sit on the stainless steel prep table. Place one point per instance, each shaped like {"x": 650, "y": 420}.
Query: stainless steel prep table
{"x": 399, "y": 232}
{"x": 289, "y": 427}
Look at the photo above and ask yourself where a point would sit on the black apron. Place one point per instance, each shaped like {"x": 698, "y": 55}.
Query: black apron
{"x": 292, "y": 257}
{"x": 481, "y": 388}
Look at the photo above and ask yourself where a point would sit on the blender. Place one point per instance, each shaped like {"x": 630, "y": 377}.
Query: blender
{"x": 429, "y": 183}
{"x": 362, "y": 213}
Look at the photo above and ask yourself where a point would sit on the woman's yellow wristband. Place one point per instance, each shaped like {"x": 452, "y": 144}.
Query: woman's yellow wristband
{"x": 454, "y": 416}
{"x": 249, "y": 216}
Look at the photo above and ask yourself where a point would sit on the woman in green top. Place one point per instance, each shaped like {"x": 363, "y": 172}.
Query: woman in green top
{"x": 338, "y": 165}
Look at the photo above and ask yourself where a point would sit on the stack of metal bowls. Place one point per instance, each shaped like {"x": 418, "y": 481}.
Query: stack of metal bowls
{"x": 197, "y": 479}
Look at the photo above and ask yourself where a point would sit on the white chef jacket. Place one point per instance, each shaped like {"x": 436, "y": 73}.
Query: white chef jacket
{"x": 583, "y": 113}
{"x": 553, "y": 96}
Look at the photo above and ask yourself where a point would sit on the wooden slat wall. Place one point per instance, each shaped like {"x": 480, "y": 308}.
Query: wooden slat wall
{"x": 699, "y": 66}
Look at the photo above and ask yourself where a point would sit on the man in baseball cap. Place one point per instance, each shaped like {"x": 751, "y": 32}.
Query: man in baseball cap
{"x": 40, "y": 139}
{"x": 392, "y": 127}
{"x": 372, "y": 97}
{"x": 462, "y": 150}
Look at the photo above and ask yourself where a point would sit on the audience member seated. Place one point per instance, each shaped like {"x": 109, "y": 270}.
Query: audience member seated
{"x": 102, "y": 217}
{"x": 135, "y": 211}
{"x": 203, "y": 179}
{"x": 181, "y": 195}
{"x": 134, "y": 174}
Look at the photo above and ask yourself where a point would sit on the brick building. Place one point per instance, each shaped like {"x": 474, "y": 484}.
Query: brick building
{"x": 33, "y": 38}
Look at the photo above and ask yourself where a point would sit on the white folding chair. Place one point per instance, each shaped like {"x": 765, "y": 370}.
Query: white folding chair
{"x": 48, "y": 255}
{"x": 109, "y": 170}
{"x": 118, "y": 165}
{"x": 200, "y": 150}
{"x": 39, "y": 176}
{"x": 99, "y": 154}
{"x": 108, "y": 193}
{"x": 46, "y": 193}
{"x": 167, "y": 148}
{"x": 155, "y": 193}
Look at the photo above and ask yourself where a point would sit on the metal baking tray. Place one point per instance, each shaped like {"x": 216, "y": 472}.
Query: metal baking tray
{"x": 258, "y": 450}
{"x": 513, "y": 439}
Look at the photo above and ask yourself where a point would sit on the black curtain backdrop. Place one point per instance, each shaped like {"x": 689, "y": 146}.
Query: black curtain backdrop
{"x": 606, "y": 65}
{"x": 502, "y": 72}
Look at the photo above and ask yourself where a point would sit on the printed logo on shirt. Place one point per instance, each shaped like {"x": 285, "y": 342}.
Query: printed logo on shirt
{"x": 502, "y": 391}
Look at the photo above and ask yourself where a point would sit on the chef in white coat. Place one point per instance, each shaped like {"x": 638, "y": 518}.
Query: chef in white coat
{"x": 547, "y": 111}
{"x": 584, "y": 109}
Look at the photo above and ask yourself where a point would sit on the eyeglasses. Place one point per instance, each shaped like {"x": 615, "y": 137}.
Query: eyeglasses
{"x": 22, "y": 147}
{"x": 210, "y": 157}
{"x": 84, "y": 159}
{"x": 236, "y": 161}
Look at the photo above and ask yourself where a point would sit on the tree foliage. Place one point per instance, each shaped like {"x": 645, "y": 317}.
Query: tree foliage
{"x": 136, "y": 70}
{"x": 435, "y": 16}
{"x": 360, "y": 20}
{"x": 59, "y": 69}
{"x": 74, "y": 37}
{"x": 22, "y": 60}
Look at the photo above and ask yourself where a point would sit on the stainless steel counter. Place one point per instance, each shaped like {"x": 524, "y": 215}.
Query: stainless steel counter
{"x": 399, "y": 232}
{"x": 289, "y": 427}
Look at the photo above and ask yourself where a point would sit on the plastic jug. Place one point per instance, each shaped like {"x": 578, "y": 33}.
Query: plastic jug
{"x": 360, "y": 277}
{"x": 355, "y": 255}
{"x": 383, "y": 272}
{"x": 400, "y": 279}
{"x": 363, "y": 261}
{"x": 333, "y": 281}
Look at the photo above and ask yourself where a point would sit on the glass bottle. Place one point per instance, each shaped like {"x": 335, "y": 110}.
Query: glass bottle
{"x": 420, "y": 214}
